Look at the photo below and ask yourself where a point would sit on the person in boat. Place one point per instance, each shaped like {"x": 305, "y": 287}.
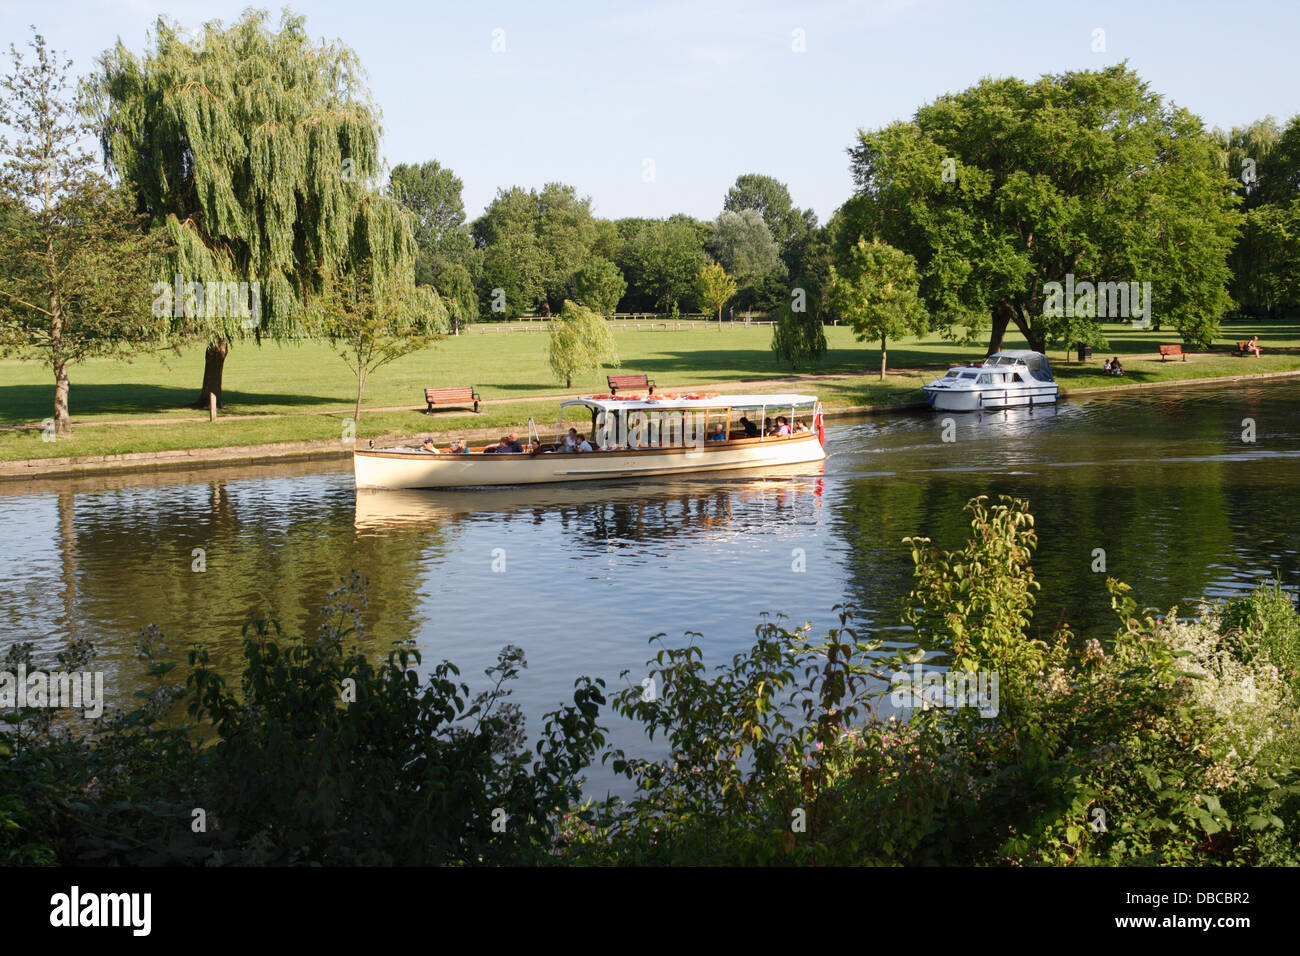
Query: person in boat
{"x": 513, "y": 444}
{"x": 458, "y": 447}
{"x": 571, "y": 440}
{"x": 581, "y": 443}
{"x": 428, "y": 446}
{"x": 719, "y": 432}
{"x": 751, "y": 430}
{"x": 800, "y": 426}
{"x": 535, "y": 448}
{"x": 782, "y": 426}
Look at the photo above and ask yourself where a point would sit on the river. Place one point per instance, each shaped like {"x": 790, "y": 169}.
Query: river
{"x": 1166, "y": 482}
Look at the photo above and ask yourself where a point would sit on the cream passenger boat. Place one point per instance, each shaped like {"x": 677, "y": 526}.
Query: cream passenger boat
{"x": 631, "y": 436}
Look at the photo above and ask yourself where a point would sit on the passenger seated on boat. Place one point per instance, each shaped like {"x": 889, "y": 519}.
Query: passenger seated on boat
{"x": 571, "y": 440}
{"x": 719, "y": 433}
{"x": 535, "y": 448}
{"x": 800, "y": 426}
{"x": 581, "y": 443}
{"x": 751, "y": 430}
{"x": 428, "y": 446}
{"x": 782, "y": 426}
{"x": 458, "y": 447}
{"x": 512, "y": 443}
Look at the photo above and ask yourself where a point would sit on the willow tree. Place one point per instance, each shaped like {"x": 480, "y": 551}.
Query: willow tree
{"x": 259, "y": 152}
{"x": 581, "y": 341}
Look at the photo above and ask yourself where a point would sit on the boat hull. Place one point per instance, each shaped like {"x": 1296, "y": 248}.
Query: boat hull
{"x": 983, "y": 399}
{"x": 402, "y": 469}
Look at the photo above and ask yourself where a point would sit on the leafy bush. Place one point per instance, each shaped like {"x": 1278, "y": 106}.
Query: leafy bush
{"x": 321, "y": 758}
{"x": 1172, "y": 741}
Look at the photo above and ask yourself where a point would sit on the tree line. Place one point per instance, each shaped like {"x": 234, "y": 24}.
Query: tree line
{"x": 244, "y": 159}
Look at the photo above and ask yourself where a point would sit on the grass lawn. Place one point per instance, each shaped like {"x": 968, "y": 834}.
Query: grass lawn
{"x": 310, "y": 390}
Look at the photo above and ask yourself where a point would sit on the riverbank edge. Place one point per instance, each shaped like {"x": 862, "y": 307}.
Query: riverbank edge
{"x": 332, "y": 449}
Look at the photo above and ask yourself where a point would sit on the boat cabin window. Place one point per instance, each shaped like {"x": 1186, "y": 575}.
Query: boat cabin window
{"x": 984, "y": 379}
{"x": 952, "y": 373}
{"x": 967, "y": 374}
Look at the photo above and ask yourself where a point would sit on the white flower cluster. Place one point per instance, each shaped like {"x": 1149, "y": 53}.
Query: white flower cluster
{"x": 1255, "y": 710}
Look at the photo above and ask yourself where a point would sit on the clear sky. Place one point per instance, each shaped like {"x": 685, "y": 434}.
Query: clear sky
{"x": 591, "y": 94}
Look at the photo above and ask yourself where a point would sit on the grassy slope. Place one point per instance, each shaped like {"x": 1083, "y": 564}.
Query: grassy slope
{"x": 315, "y": 389}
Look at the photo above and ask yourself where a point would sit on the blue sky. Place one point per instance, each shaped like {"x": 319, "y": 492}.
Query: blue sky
{"x": 586, "y": 94}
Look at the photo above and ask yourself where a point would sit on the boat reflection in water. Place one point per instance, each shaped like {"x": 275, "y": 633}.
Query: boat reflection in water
{"x": 612, "y": 510}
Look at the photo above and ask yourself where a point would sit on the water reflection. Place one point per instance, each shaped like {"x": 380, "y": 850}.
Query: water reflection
{"x": 583, "y": 575}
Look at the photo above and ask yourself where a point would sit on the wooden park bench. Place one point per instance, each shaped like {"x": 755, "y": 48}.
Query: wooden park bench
{"x": 459, "y": 395}
{"x": 1171, "y": 350}
{"x": 630, "y": 381}
{"x": 1243, "y": 349}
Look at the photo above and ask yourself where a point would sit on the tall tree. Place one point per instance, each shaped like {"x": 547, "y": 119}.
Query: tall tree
{"x": 715, "y": 287}
{"x": 876, "y": 289}
{"x": 771, "y": 199}
{"x": 743, "y": 245}
{"x": 661, "y": 259}
{"x": 600, "y": 285}
{"x": 581, "y": 341}
{"x": 372, "y": 320}
{"x": 259, "y": 152}
{"x": 1264, "y": 162}
{"x": 1007, "y": 186}
{"x": 446, "y": 257}
{"x": 533, "y": 244}
{"x": 76, "y": 262}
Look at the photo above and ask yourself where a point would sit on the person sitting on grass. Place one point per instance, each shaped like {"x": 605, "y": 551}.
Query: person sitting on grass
{"x": 1105, "y": 367}
{"x": 1115, "y": 367}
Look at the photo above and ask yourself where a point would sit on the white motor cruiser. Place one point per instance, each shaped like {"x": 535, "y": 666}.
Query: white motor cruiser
{"x": 1005, "y": 380}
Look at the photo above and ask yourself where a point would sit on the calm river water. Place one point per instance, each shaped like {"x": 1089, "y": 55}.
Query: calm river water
{"x": 1165, "y": 482}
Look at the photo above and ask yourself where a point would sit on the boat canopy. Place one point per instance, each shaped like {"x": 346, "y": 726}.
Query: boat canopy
{"x": 643, "y": 403}
{"x": 1039, "y": 367}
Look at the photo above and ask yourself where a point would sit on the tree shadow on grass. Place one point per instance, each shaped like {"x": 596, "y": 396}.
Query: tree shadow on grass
{"x": 20, "y": 404}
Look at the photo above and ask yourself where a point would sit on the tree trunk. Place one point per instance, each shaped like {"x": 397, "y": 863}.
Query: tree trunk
{"x": 62, "y": 421}
{"x": 719, "y": 318}
{"x": 1036, "y": 337}
{"x": 882, "y": 358}
{"x": 1001, "y": 317}
{"x": 214, "y": 362}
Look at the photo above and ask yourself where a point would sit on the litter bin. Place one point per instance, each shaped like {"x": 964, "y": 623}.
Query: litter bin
{"x": 1085, "y": 351}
